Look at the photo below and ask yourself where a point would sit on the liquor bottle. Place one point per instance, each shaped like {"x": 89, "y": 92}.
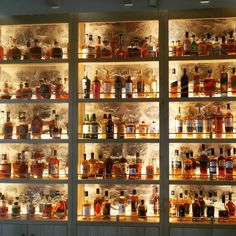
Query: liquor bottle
{"x": 16, "y": 209}
{"x": 174, "y": 85}
{"x": 187, "y": 167}
{"x": 56, "y": 51}
{"x": 216, "y": 50}
{"x": 196, "y": 83}
{"x": 172, "y": 205}
{"x": 213, "y": 161}
{"x": 96, "y": 87}
{"x": 36, "y": 50}
{"x": 36, "y": 126}
{"x": 60, "y": 208}
{"x": 120, "y": 51}
{"x": 139, "y": 162}
{"x": 122, "y": 205}
{"x": 228, "y": 122}
{"x": 179, "y": 125}
{"x": 151, "y": 50}
{"x": 129, "y": 87}
{"x": 109, "y": 128}
{"x": 86, "y": 127}
{"x": 99, "y": 168}
{"x": 231, "y": 44}
{"x": 97, "y": 204}
{"x": 221, "y": 165}
{"x": 218, "y": 123}
{"x": 153, "y": 85}
{"x": 136, "y": 51}
{"x": 179, "y": 48}
{"x": 46, "y": 207}
{"x": 210, "y": 212}
{"x": 86, "y": 83}
{"x": 202, "y": 203}
{"x": 113, "y": 44}
{"x": 106, "y": 51}
{"x": 5, "y": 93}
{"x": 223, "y": 83}
{"x": 209, "y": 45}
{"x": 98, "y": 47}
{"x": 53, "y": 165}
{"x": 5, "y": 167}
{"x": 86, "y": 207}
{"x": 20, "y": 167}
{"x": 194, "y": 164}
{"x": 153, "y": 130}
{"x": 196, "y": 208}
{"x": 22, "y": 129}
{"x": 123, "y": 167}
{"x": 8, "y": 127}
{"x": 203, "y": 159}
{"x": 187, "y": 45}
{"x": 140, "y": 86}
{"x": 45, "y": 89}
{"x": 194, "y": 47}
{"x": 133, "y": 170}
{"x": 189, "y": 120}
{"x": 3, "y": 206}
{"x": 202, "y": 47}
{"x": 229, "y": 165}
{"x": 90, "y": 47}
{"x": 107, "y": 86}
{"x": 108, "y": 163}
{"x": 14, "y": 52}
{"x": 19, "y": 91}
{"x": 233, "y": 82}
{"x": 223, "y": 211}
{"x": 184, "y": 84}
{"x": 27, "y": 54}
{"x": 223, "y": 46}
{"x": 1, "y": 52}
{"x": 199, "y": 120}
{"x": 93, "y": 127}
{"x": 92, "y": 166}
{"x": 172, "y": 49}
{"x": 118, "y": 87}
{"x": 37, "y": 166}
{"x": 231, "y": 206}
{"x": 176, "y": 165}
{"x": 134, "y": 203}
{"x": 84, "y": 168}
{"x": 187, "y": 203}
{"x": 209, "y": 85}
{"x": 209, "y": 122}
{"x": 142, "y": 210}
{"x": 150, "y": 170}
{"x": 130, "y": 129}
{"x": 56, "y": 130}
{"x": 120, "y": 127}
{"x": 106, "y": 206}
{"x": 84, "y": 49}
{"x": 180, "y": 208}
{"x": 154, "y": 200}
{"x": 143, "y": 130}
{"x": 27, "y": 91}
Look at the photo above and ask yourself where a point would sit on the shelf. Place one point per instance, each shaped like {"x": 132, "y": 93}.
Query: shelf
{"x": 203, "y": 99}
{"x": 33, "y": 101}
{"x": 34, "y": 62}
{"x": 113, "y": 100}
{"x": 202, "y": 182}
{"x": 33, "y": 181}
{"x": 225, "y": 140}
{"x": 118, "y": 140}
{"x": 203, "y": 59}
{"x": 33, "y": 141}
{"x": 110, "y": 61}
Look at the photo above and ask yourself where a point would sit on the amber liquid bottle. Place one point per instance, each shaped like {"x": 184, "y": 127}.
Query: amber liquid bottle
{"x": 233, "y": 82}
{"x": 36, "y": 126}
{"x": 129, "y": 87}
{"x": 176, "y": 165}
{"x": 86, "y": 207}
{"x": 196, "y": 208}
{"x": 106, "y": 206}
{"x": 118, "y": 87}
{"x": 8, "y": 127}
{"x": 172, "y": 205}
{"x": 96, "y": 87}
{"x": 84, "y": 168}
{"x": 223, "y": 83}
{"x": 92, "y": 166}
{"x": 134, "y": 203}
{"x": 179, "y": 125}
{"x": 180, "y": 208}
{"x": 122, "y": 205}
{"x": 196, "y": 83}
{"x": 199, "y": 118}
{"x": 107, "y": 86}
{"x": 53, "y": 165}
{"x": 203, "y": 163}
{"x": 213, "y": 165}
{"x": 229, "y": 123}
{"x": 97, "y": 204}
{"x": 109, "y": 128}
{"x": 234, "y": 163}
{"x": 174, "y": 85}
{"x": 231, "y": 206}
{"x": 221, "y": 165}
{"x": 218, "y": 123}
{"x": 140, "y": 86}
{"x": 229, "y": 166}
{"x": 187, "y": 203}
{"x": 187, "y": 170}
{"x": 22, "y": 129}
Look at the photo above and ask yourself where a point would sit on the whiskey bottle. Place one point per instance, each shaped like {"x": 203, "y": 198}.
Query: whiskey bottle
{"x": 199, "y": 120}
{"x": 194, "y": 164}
{"x": 36, "y": 126}
{"x": 120, "y": 51}
{"x": 53, "y": 165}
{"x": 176, "y": 165}
{"x": 38, "y": 165}
{"x": 99, "y": 167}
{"x": 19, "y": 91}
{"x": 194, "y": 47}
{"x": 120, "y": 126}
{"x": 209, "y": 122}
{"x": 22, "y": 129}
{"x": 172, "y": 205}
{"x": 187, "y": 203}
{"x": 231, "y": 206}
{"x": 86, "y": 83}
{"x": 90, "y": 47}
{"x": 84, "y": 168}
{"x": 223, "y": 46}
{"x": 14, "y": 52}
{"x": 196, "y": 83}
{"x": 56, "y": 51}
{"x": 179, "y": 125}
{"x": 203, "y": 159}
{"x": 229, "y": 122}
{"x": 134, "y": 203}
{"x": 45, "y": 89}
{"x": 216, "y": 50}
{"x": 139, "y": 163}
{"x": 234, "y": 162}
{"x": 106, "y": 206}
{"x": 154, "y": 200}
{"x": 218, "y": 123}
{"x": 153, "y": 85}
{"x": 86, "y": 127}
{"x": 27, "y": 91}
{"x": 202, "y": 46}
{"x": 130, "y": 129}
{"x": 229, "y": 165}
{"x": 122, "y": 205}
{"x": 231, "y": 44}
{"x": 174, "y": 85}
{"x": 221, "y": 165}
{"x": 180, "y": 208}
{"x": 36, "y": 50}
{"x": 133, "y": 170}
{"x": 189, "y": 120}
{"x": 103, "y": 127}
{"x": 196, "y": 208}
{"x": 5, "y": 93}
{"x": 56, "y": 130}
{"x": 209, "y": 45}
{"x": 213, "y": 165}
{"x": 187, "y": 45}
{"x": 184, "y": 83}
{"x": 92, "y": 166}
{"x": 223, "y": 83}
{"x": 153, "y": 131}
{"x": 96, "y": 87}
{"x": 97, "y": 204}
{"x": 5, "y": 167}
{"x": 140, "y": 86}
{"x": 223, "y": 211}
{"x": 109, "y": 128}
{"x": 150, "y": 170}
{"x": 8, "y": 127}
{"x": 143, "y": 130}
{"x": 98, "y": 47}
{"x": 3, "y": 206}
{"x": 108, "y": 164}
{"x": 142, "y": 210}
{"x": 123, "y": 167}
{"x": 187, "y": 170}
{"x": 129, "y": 87}
{"x": 106, "y": 50}
{"x": 210, "y": 212}
{"x": 118, "y": 87}
{"x": 20, "y": 166}
{"x": 233, "y": 82}
{"x": 107, "y": 86}
{"x": 86, "y": 207}
{"x": 179, "y": 48}
{"x": 209, "y": 85}
{"x": 93, "y": 127}
{"x": 202, "y": 203}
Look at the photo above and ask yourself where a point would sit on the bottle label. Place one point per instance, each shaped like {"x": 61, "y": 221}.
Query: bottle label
{"x": 134, "y": 206}
{"x": 153, "y": 128}
{"x": 187, "y": 167}
{"x": 53, "y": 169}
{"x": 86, "y": 211}
{"x": 213, "y": 167}
{"x": 107, "y": 87}
{"x": 94, "y": 129}
{"x": 129, "y": 87}
{"x": 86, "y": 129}
{"x": 96, "y": 89}
{"x": 187, "y": 47}
{"x": 97, "y": 208}
{"x": 199, "y": 126}
{"x": 7, "y": 129}
{"x": 121, "y": 208}
{"x": 140, "y": 87}
{"x": 189, "y": 126}
{"x": 84, "y": 169}
{"x": 130, "y": 129}
{"x": 179, "y": 126}
{"x": 176, "y": 164}
{"x": 229, "y": 165}
{"x": 229, "y": 122}
{"x": 106, "y": 209}
{"x": 181, "y": 211}
{"x": 133, "y": 171}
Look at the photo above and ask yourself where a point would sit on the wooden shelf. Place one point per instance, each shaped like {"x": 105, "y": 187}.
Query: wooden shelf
{"x": 190, "y": 140}
{"x": 35, "y": 62}
{"x": 33, "y": 141}
{"x": 33, "y": 101}
{"x": 112, "y": 100}
{"x": 44, "y": 180}
{"x": 203, "y": 59}
{"x": 118, "y": 140}
{"x": 203, "y": 99}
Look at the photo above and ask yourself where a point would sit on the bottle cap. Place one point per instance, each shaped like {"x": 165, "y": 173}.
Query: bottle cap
{"x": 134, "y": 191}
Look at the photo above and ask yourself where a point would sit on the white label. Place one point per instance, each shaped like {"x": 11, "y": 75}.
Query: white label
{"x": 129, "y": 87}
{"x": 107, "y": 87}
{"x": 86, "y": 129}
{"x": 86, "y": 211}
{"x": 121, "y": 208}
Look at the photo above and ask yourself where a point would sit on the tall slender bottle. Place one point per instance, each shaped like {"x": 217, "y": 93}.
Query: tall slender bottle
{"x": 187, "y": 203}
{"x": 199, "y": 120}
{"x": 229, "y": 122}
{"x": 153, "y": 85}
{"x": 86, "y": 127}
{"x": 233, "y": 82}
{"x": 174, "y": 85}
{"x": 221, "y": 165}
{"x": 94, "y": 127}
{"x": 218, "y": 123}
{"x": 176, "y": 165}
{"x": 134, "y": 203}
{"x": 122, "y": 205}
{"x": 189, "y": 120}
{"x": 97, "y": 204}
{"x": 110, "y": 128}
{"x": 96, "y": 87}
{"x": 213, "y": 165}
{"x": 86, "y": 207}
{"x": 180, "y": 208}
{"x": 203, "y": 163}
{"x": 187, "y": 45}
{"x": 140, "y": 86}
{"x": 86, "y": 83}
{"x": 223, "y": 83}
{"x": 229, "y": 165}
{"x": 202, "y": 203}
{"x": 184, "y": 84}
{"x": 196, "y": 83}
{"x": 194, "y": 47}
{"x": 129, "y": 87}
{"x": 179, "y": 125}
{"x": 187, "y": 170}
{"x": 172, "y": 205}
{"x": 107, "y": 85}
{"x": 118, "y": 87}
{"x": 196, "y": 208}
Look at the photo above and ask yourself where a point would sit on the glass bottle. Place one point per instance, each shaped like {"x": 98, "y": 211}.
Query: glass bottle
{"x": 56, "y": 130}
{"x": 129, "y": 87}
{"x": 53, "y": 165}
{"x": 142, "y": 210}
{"x": 233, "y": 82}
{"x": 108, "y": 164}
{"x": 202, "y": 47}
{"x": 231, "y": 44}
{"x": 120, "y": 126}
{"x": 86, "y": 207}
{"x": 98, "y": 47}
{"x": 218, "y": 123}
{"x": 223, "y": 46}
{"x": 221, "y": 165}
{"x": 118, "y": 87}
{"x": 97, "y": 204}
{"x": 209, "y": 45}
{"x": 189, "y": 120}
{"x": 36, "y": 50}
{"x": 106, "y": 51}
{"x": 231, "y": 206}
{"x": 96, "y": 87}
{"x": 179, "y": 49}
{"x": 84, "y": 49}
{"x": 143, "y": 130}
{"x": 234, "y": 162}
{"x": 130, "y": 129}
{"x": 5, "y": 93}
{"x": 27, "y": 91}
{"x": 93, "y": 127}
{"x": 140, "y": 86}
{"x": 20, "y": 166}
{"x": 122, "y": 205}
{"x": 187, "y": 203}
{"x": 209, "y": 85}
{"x": 120, "y": 51}
{"x": 19, "y": 91}
{"x": 194, "y": 164}
{"x": 203, "y": 159}
{"x": 139, "y": 162}
{"x": 174, "y": 85}
{"x": 134, "y": 203}
{"x": 92, "y": 166}
{"x": 187, "y": 167}
{"x": 194, "y": 47}
{"x": 216, "y": 50}
{"x": 180, "y": 208}
{"x": 213, "y": 161}
{"x": 223, "y": 211}
{"x": 84, "y": 168}
{"x": 123, "y": 167}
{"x": 210, "y": 212}
{"x": 14, "y": 52}
{"x": 36, "y": 126}
{"x": 37, "y": 89}
{"x": 153, "y": 85}
{"x": 153, "y": 130}
{"x": 172, "y": 49}
{"x": 37, "y": 167}
{"x": 199, "y": 119}
{"x": 61, "y": 208}
{"x": 86, "y": 127}
{"x": 16, "y": 210}
{"x": 173, "y": 205}
{"x": 46, "y": 207}
{"x": 187, "y": 45}
{"x": 8, "y": 127}
{"x": 202, "y": 203}
{"x": 3, "y": 206}
{"x": 56, "y": 51}
{"x": 229, "y": 122}
{"x": 229, "y": 165}
{"x": 107, "y": 85}
{"x": 99, "y": 167}
{"x": 223, "y": 83}
{"x": 209, "y": 123}
{"x": 5, "y": 167}
{"x": 22, "y": 129}
{"x": 106, "y": 206}
{"x": 179, "y": 125}
{"x": 150, "y": 170}
{"x": 133, "y": 170}
{"x": 109, "y": 128}
{"x": 86, "y": 83}
{"x": 45, "y": 89}
{"x": 196, "y": 208}
{"x": 103, "y": 127}
{"x": 196, "y": 83}
{"x": 176, "y": 165}
{"x": 184, "y": 84}
{"x": 90, "y": 47}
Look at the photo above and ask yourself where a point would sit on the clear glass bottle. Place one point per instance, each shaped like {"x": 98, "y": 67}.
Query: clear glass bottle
{"x": 8, "y": 127}
{"x": 53, "y": 165}
{"x": 173, "y": 205}
{"x": 22, "y": 129}
{"x": 154, "y": 200}
{"x": 86, "y": 126}
{"x": 86, "y": 84}
{"x": 153, "y": 85}
{"x": 5, "y": 167}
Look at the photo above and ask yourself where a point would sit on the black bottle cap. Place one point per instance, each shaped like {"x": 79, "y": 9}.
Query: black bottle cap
{"x": 84, "y": 156}
{"x": 223, "y": 198}
{"x": 186, "y": 34}
{"x": 186, "y": 192}
{"x": 122, "y": 193}
{"x": 97, "y": 191}
{"x": 181, "y": 195}
{"x": 92, "y": 155}
{"x": 203, "y": 147}
{"x": 176, "y": 152}
{"x": 106, "y": 193}
{"x": 86, "y": 193}
{"x": 212, "y": 151}
{"x": 201, "y": 193}
{"x": 230, "y": 196}
{"x": 228, "y": 152}
{"x": 134, "y": 191}
{"x": 221, "y": 151}
{"x": 142, "y": 202}
{"x": 187, "y": 155}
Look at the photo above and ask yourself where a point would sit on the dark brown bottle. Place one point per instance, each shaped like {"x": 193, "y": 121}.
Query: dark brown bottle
{"x": 229, "y": 165}
{"x": 202, "y": 203}
{"x": 56, "y": 52}
{"x": 203, "y": 163}
{"x": 109, "y": 128}
{"x": 45, "y": 89}
{"x": 184, "y": 84}
{"x": 36, "y": 51}
{"x": 118, "y": 87}
{"x": 196, "y": 208}
{"x": 221, "y": 165}
{"x": 108, "y": 164}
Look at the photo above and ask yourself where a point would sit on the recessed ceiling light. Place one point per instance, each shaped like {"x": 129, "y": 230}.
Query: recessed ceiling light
{"x": 128, "y": 3}
{"x": 205, "y": 1}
